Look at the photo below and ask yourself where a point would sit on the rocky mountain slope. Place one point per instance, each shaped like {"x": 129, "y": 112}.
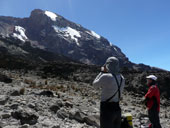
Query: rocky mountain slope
{"x": 31, "y": 100}
{"x": 15, "y": 54}
{"x": 53, "y": 33}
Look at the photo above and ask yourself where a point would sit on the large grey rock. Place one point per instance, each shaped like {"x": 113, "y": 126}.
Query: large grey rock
{"x": 15, "y": 93}
{"x": 68, "y": 104}
{"x": 14, "y": 106}
{"x": 79, "y": 117}
{"x": 55, "y": 108}
{"x": 25, "y": 117}
{"x": 5, "y": 79}
{"x": 62, "y": 113}
{"x": 1, "y": 124}
{"x": 47, "y": 93}
{"x": 25, "y": 126}
{"x": 5, "y": 115}
{"x": 92, "y": 120}
{"x": 56, "y": 126}
{"x": 3, "y": 99}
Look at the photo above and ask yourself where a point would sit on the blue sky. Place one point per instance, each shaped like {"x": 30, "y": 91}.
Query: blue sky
{"x": 141, "y": 28}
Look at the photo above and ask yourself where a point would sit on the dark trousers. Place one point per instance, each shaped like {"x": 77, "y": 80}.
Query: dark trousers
{"x": 154, "y": 118}
{"x": 110, "y": 115}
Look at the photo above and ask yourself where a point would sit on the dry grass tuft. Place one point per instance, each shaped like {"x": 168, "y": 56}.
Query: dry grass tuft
{"x": 22, "y": 91}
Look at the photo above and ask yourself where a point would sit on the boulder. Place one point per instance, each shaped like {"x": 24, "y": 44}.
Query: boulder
{"x": 77, "y": 115}
{"x": 62, "y": 113}
{"x": 3, "y": 99}
{"x": 15, "y": 93}
{"x": 5, "y": 79}
{"x": 25, "y": 126}
{"x": 6, "y": 115}
{"x": 54, "y": 108}
{"x": 56, "y": 126}
{"x": 25, "y": 117}
{"x": 92, "y": 120}
{"x": 68, "y": 104}
{"x": 47, "y": 93}
{"x": 14, "y": 106}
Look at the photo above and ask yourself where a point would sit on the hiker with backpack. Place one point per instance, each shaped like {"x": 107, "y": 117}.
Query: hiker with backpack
{"x": 112, "y": 84}
{"x": 152, "y": 101}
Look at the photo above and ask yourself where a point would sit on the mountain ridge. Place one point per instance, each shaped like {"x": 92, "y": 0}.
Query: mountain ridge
{"x": 53, "y": 33}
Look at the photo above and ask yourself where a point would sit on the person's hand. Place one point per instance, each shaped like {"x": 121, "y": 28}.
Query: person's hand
{"x": 144, "y": 101}
{"x": 104, "y": 69}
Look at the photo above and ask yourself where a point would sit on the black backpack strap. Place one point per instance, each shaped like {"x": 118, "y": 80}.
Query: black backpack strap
{"x": 118, "y": 85}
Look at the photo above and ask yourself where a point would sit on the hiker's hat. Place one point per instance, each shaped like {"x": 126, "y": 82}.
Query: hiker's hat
{"x": 152, "y": 77}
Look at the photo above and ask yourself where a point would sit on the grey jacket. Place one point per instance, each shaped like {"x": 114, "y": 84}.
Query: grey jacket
{"x": 108, "y": 82}
{"x": 109, "y": 86}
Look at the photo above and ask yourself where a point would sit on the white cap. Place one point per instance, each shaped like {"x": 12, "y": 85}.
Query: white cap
{"x": 152, "y": 77}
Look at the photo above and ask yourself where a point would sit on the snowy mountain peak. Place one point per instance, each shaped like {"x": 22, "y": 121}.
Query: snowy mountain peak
{"x": 51, "y": 15}
{"x": 63, "y": 37}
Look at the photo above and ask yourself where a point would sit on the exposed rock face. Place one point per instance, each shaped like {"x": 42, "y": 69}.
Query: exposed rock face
{"x": 54, "y": 33}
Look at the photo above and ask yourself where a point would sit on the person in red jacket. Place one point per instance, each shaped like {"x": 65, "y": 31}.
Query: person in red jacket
{"x": 152, "y": 99}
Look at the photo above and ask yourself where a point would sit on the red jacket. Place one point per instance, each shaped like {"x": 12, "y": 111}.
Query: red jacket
{"x": 153, "y": 92}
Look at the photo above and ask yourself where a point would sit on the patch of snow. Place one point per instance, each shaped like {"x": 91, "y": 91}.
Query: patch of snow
{"x": 73, "y": 33}
{"x": 95, "y": 34}
{"x": 35, "y": 44}
{"x": 71, "y": 52}
{"x": 115, "y": 49}
{"x": 68, "y": 31}
{"x": 111, "y": 44}
{"x": 52, "y": 15}
{"x": 20, "y": 33}
{"x": 42, "y": 59}
{"x": 58, "y": 29}
{"x": 92, "y": 33}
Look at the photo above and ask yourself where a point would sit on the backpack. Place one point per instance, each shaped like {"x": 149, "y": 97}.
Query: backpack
{"x": 124, "y": 123}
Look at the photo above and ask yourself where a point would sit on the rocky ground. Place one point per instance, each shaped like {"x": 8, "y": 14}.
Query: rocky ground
{"x": 30, "y": 101}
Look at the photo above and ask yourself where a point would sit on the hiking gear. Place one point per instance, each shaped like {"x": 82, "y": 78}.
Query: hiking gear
{"x": 152, "y": 77}
{"x": 118, "y": 90}
{"x": 112, "y": 65}
{"x": 110, "y": 115}
{"x": 153, "y": 97}
{"x": 127, "y": 121}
